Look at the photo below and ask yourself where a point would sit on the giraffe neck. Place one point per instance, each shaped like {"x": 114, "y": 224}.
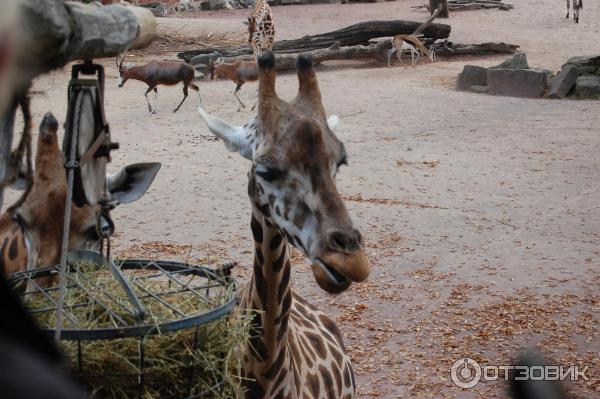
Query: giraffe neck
{"x": 267, "y": 360}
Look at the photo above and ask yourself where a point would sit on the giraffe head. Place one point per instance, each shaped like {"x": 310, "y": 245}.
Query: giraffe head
{"x": 251, "y": 27}
{"x": 295, "y": 158}
{"x": 43, "y": 210}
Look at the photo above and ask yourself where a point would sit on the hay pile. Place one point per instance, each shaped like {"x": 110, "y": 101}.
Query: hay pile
{"x": 171, "y": 367}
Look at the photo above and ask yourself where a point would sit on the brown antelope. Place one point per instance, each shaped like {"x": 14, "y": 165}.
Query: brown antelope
{"x": 31, "y": 234}
{"x": 154, "y": 73}
{"x": 239, "y": 72}
{"x": 402, "y": 43}
{"x": 577, "y": 5}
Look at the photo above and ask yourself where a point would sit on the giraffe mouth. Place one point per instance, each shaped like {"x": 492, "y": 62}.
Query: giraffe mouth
{"x": 329, "y": 278}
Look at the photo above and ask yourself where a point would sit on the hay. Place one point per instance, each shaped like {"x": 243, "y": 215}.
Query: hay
{"x": 171, "y": 366}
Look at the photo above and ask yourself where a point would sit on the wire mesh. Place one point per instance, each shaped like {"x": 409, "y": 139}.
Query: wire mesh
{"x": 178, "y": 299}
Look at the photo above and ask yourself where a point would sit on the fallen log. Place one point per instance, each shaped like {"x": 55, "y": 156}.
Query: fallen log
{"x": 447, "y": 49}
{"x": 357, "y": 34}
{"x": 378, "y": 51}
{"x": 55, "y": 33}
{"x": 284, "y": 62}
{"x": 467, "y": 5}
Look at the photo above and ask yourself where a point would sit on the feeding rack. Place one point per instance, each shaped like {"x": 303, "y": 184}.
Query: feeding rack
{"x": 130, "y": 303}
{"x": 130, "y": 328}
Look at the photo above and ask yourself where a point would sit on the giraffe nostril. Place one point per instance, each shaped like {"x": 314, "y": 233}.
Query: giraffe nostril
{"x": 358, "y": 237}
{"x": 345, "y": 242}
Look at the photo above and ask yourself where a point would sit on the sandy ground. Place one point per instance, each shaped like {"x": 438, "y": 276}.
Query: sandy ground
{"x": 490, "y": 245}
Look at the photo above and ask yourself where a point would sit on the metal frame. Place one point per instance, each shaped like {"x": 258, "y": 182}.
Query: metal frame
{"x": 172, "y": 271}
{"x": 165, "y": 268}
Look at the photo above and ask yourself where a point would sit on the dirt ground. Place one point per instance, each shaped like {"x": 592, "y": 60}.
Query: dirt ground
{"x": 481, "y": 214}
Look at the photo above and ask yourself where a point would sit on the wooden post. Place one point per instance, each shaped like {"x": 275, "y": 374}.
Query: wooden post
{"x": 434, "y": 4}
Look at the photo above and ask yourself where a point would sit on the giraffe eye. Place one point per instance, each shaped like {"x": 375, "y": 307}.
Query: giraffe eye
{"x": 270, "y": 174}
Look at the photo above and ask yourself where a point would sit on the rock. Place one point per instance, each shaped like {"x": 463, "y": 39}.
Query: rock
{"x": 585, "y": 61}
{"x": 202, "y": 69}
{"x": 563, "y": 83}
{"x": 529, "y": 83}
{"x": 587, "y": 69}
{"x": 517, "y": 61}
{"x": 472, "y": 75}
{"x": 588, "y": 87}
{"x": 479, "y": 89}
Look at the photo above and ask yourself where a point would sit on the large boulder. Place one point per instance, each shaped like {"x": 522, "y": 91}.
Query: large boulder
{"x": 517, "y": 61}
{"x": 588, "y": 87}
{"x": 563, "y": 83}
{"x": 593, "y": 60}
{"x": 529, "y": 83}
{"x": 472, "y": 75}
{"x": 585, "y": 65}
{"x": 480, "y": 89}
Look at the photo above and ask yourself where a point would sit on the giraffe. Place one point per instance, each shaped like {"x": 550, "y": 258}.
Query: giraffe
{"x": 30, "y": 235}
{"x": 261, "y": 28}
{"x": 577, "y": 5}
{"x": 295, "y": 350}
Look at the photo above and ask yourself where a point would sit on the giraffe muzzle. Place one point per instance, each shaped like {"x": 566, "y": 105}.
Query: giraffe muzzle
{"x": 335, "y": 271}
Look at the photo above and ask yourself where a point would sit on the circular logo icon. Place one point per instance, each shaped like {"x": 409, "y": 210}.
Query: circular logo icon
{"x": 465, "y": 373}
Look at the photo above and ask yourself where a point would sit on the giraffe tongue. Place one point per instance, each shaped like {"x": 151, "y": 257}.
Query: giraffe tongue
{"x": 333, "y": 274}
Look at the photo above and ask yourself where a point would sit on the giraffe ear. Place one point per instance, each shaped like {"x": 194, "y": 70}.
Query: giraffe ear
{"x": 235, "y": 137}
{"x": 132, "y": 181}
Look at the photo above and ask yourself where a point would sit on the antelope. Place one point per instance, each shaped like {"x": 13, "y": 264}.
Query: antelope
{"x": 577, "y": 5}
{"x": 30, "y": 232}
{"x": 401, "y": 43}
{"x": 239, "y": 72}
{"x": 154, "y": 73}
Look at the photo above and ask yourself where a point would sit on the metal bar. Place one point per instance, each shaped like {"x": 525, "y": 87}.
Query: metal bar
{"x": 7, "y": 124}
{"x": 141, "y": 366}
{"x": 45, "y": 289}
{"x": 74, "y": 105}
{"x": 48, "y": 297}
{"x": 153, "y": 295}
{"x": 79, "y": 357}
{"x": 168, "y": 274}
{"x": 136, "y": 331}
{"x": 50, "y": 309}
{"x": 192, "y": 369}
{"x": 139, "y": 312}
{"x": 99, "y": 302}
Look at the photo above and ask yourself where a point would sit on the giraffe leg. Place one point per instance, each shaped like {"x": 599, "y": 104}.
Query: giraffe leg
{"x": 568, "y": 8}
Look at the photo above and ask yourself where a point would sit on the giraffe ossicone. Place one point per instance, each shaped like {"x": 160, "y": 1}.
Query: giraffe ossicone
{"x": 296, "y": 350}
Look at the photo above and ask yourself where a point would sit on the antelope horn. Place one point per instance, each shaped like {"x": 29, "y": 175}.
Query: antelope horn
{"x": 122, "y": 55}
